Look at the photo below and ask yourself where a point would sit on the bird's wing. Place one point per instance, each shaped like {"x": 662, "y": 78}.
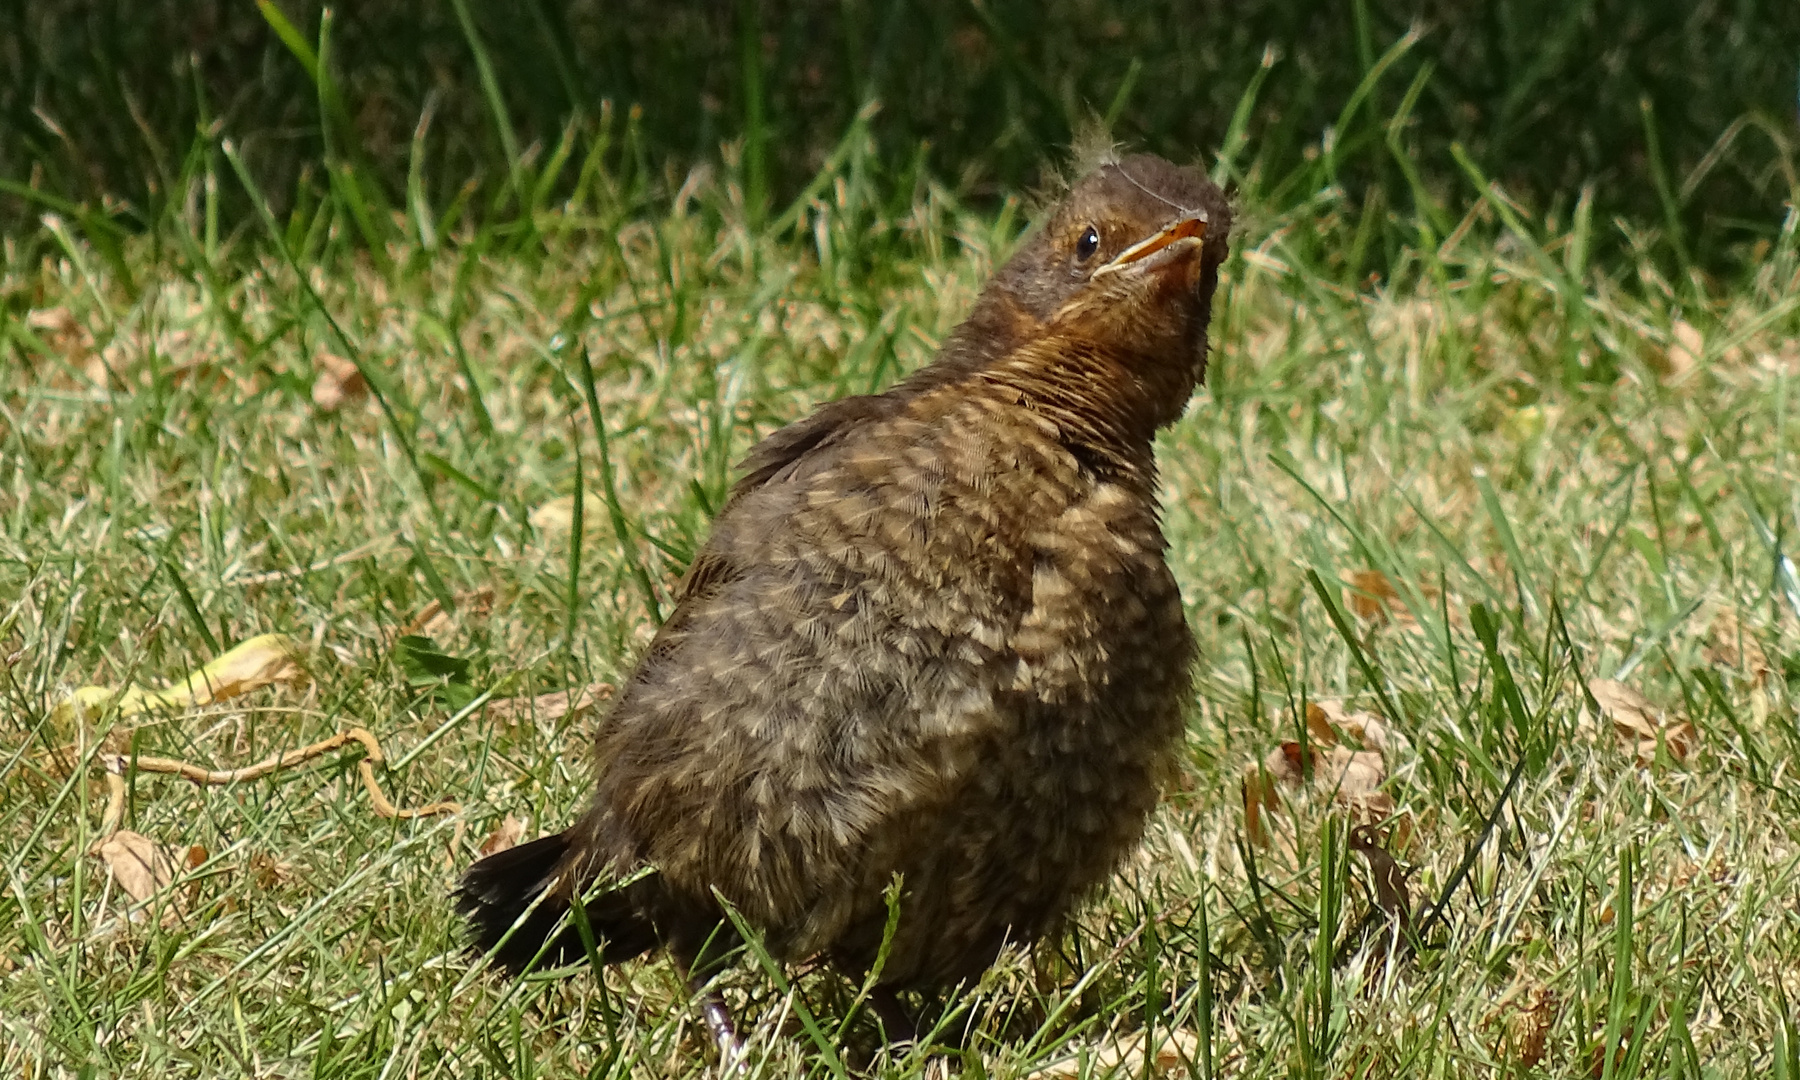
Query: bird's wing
{"x": 784, "y": 453}
{"x": 782, "y": 456}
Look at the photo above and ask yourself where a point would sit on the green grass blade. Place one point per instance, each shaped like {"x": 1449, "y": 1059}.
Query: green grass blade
{"x": 490, "y": 88}
{"x": 609, "y": 491}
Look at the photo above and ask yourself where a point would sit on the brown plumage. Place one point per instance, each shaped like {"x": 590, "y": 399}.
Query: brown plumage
{"x": 932, "y": 635}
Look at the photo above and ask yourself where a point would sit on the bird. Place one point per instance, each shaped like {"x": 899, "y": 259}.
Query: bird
{"x": 931, "y": 654}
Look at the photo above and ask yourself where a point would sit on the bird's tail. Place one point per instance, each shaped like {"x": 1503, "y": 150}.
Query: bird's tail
{"x": 515, "y": 900}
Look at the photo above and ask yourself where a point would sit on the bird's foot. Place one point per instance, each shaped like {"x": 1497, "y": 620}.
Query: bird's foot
{"x": 732, "y": 1061}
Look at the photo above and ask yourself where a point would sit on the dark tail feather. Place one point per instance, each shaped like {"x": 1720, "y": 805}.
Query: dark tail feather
{"x": 496, "y": 893}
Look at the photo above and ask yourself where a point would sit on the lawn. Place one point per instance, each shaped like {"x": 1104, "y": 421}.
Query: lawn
{"x": 1508, "y": 525}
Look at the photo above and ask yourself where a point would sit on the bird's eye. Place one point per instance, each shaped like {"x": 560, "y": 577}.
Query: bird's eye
{"x": 1088, "y": 244}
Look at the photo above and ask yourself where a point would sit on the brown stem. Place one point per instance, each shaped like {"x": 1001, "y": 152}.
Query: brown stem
{"x": 116, "y": 764}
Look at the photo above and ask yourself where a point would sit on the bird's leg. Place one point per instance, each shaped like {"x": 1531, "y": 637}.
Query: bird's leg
{"x": 716, "y": 1014}
{"x": 896, "y": 1024}
{"x": 724, "y": 1032}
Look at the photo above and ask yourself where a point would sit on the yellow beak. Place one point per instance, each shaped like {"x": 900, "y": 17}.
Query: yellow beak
{"x": 1191, "y": 227}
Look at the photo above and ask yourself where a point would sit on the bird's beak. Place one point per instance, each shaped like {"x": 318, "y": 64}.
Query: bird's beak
{"x": 1181, "y": 234}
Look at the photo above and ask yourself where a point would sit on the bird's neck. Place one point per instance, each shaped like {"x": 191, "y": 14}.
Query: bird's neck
{"x": 1105, "y": 402}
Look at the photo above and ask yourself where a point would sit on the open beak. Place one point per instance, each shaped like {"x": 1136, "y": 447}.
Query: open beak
{"x": 1176, "y": 234}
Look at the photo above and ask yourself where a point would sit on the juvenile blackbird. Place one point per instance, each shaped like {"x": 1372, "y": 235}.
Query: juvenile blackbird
{"x": 932, "y": 635}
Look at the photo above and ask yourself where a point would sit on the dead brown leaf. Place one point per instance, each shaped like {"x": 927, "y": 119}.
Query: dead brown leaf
{"x": 553, "y": 706}
{"x": 1528, "y": 1030}
{"x": 1326, "y": 718}
{"x": 267, "y": 872}
{"x": 1370, "y": 594}
{"x": 141, "y": 867}
{"x": 1686, "y": 346}
{"x": 1391, "y": 894}
{"x": 1639, "y": 725}
{"x": 1373, "y": 598}
{"x": 507, "y": 835}
{"x": 1174, "y": 1055}
{"x": 1318, "y": 723}
{"x": 1731, "y": 645}
{"x": 338, "y": 382}
{"x": 433, "y": 621}
{"x": 1352, "y": 778}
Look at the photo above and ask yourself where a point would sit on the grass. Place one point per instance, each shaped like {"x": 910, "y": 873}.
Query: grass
{"x": 1564, "y": 468}
{"x": 1675, "y": 113}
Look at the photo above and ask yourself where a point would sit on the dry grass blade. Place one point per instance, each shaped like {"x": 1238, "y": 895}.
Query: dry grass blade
{"x": 355, "y": 554}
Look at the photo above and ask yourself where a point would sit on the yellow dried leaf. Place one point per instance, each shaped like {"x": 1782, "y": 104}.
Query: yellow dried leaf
{"x": 1174, "y": 1055}
{"x": 85, "y": 704}
{"x": 261, "y": 661}
{"x": 557, "y": 515}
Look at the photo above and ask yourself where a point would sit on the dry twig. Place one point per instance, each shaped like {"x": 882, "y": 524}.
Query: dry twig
{"x": 116, "y": 765}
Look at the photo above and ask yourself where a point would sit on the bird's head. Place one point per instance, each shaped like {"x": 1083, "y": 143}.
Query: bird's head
{"x": 1119, "y": 279}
